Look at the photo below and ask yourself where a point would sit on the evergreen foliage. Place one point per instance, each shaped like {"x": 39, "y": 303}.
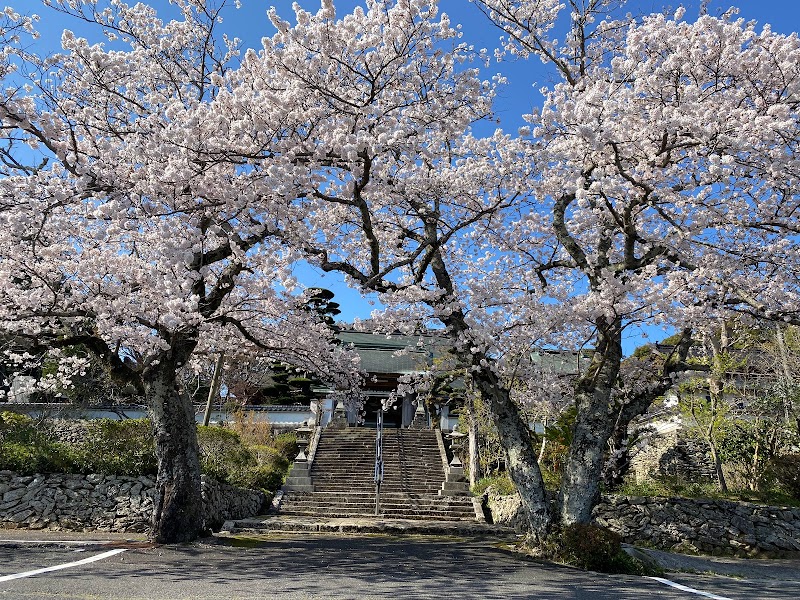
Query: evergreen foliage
{"x": 127, "y": 448}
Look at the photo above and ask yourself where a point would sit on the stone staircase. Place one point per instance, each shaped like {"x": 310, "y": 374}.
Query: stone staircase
{"x": 343, "y": 471}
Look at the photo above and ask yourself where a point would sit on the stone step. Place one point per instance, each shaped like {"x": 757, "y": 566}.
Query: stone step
{"x": 366, "y": 524}
{"x": 370, "y": 483}
{"x": 462, "y": 509}
{"x": 365, "y": 478}
{"x": 387, "y": 504}
{"x": 413, "y": 505}
{"x": 388, "y": 489}
{"x": 451, "y": 503}
{"x": 354, "y": 493}
{"x": 388, "y": 475}
{"x": 355, "y": 466}
{"x": 384, "y": 514}
{"x": 343, "y": 465}
{"x": 362, "y": 453}
{"x": 342, "y": 476}
{"x": 411, "y": 462}
{"x": 391, "y": 450}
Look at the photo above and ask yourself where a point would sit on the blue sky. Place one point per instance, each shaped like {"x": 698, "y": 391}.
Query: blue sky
{"x": 520, "y": 94}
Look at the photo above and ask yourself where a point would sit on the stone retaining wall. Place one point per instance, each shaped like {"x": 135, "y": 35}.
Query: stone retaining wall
{"x": 107, "y": 502}
{"x": 675, "y": 455}
{"x": 686, "y": 525}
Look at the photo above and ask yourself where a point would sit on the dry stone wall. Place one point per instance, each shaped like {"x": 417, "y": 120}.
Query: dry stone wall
{"x": 674, "y": 455}
{"x": 107, "y": 502}
{"x": 686, "y": 525}
{"x": 702, "y": 526}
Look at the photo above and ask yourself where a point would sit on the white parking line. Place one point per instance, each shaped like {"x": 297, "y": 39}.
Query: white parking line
{"x": 685, "y": 588}
{"x": 77, "y": 563}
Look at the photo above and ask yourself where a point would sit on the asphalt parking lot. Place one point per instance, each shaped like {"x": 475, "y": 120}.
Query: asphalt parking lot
{"x": 330, "y": 566}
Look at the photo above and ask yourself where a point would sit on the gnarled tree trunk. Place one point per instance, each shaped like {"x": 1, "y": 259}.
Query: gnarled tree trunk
{"x": 521, "y": 459}
{"x": 594, "y": 424}
{"x": 177, "y": 514}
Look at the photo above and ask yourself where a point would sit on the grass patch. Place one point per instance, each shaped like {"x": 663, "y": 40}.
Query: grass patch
{"x": 501, "y": 483}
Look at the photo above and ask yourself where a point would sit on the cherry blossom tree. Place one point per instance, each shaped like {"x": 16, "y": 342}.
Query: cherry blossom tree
{"x": 655, "y": 185}
{"x": 666, "y": 187}
{"x": 398, "y": 195}
{"x": 126, "y": 229}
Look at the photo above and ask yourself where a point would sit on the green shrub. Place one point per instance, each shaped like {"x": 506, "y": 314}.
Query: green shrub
{"x": 259, "y": 477}
{"x": 217, "y": 440}
{"x": 667, "y": 487}
{"x": 114, "y": 447}
{"x": 222, "y": 454}
{"x": 558, "y": 436}
{"x": 786, "y": 472}
{"x": 552, "y": 479}
{"x": 500, "y": 482}
{"x": 128, "y": 448}
{"x": 42, "y": 457}
{"x": 26, "y": 449}
{"x": 225, "y": 457}
{"x": 18, "y": 428}
{"x": 269, "y": 456}
{"x": 110, "y": 447}
{"x": 286, "y": 444}
{"x": 593, "y": 548}
{"x": 670, "y": 487}
{"x": 589, "y": 546}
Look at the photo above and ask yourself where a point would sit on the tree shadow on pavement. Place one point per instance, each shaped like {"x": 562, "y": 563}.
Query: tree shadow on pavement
{"x": 315, "y": 566}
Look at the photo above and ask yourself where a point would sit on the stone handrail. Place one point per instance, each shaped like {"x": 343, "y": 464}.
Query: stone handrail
{"x": 442, "y": 451}
{"x": 312, "y": 447}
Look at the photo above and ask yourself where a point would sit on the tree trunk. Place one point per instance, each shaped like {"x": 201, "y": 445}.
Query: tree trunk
{"x": 474, "y": 453}
{"x": 723, "y": 485}
{"x": 754, "y": 483}
{"x": 515, "y": 438}
{"x": 594, "y": 424}
{"x": 716, "y": 397}
{"x": 543, "y": 445}
{"x": 177, "y": 511}
{"x": 788, "y": 380}
{"x": 472, "y": 439}
{"x": 216, "y": 380}
{"x": 521, "y": 462}
{"x": 618, "y": 462}
{"x": 580, "y": 482}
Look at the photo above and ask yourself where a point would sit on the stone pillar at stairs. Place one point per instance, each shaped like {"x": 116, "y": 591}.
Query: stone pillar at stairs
{"x": 455, "y": 484}
{"x": 339, "y": 420}
{"x": 420, "y": 420}
{"x": 299, "y": 478}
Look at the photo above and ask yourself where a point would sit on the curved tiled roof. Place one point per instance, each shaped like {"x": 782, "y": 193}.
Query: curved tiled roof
{"x": 396, "y": 353}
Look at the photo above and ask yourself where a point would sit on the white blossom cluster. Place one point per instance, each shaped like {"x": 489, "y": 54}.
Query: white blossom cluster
{"x": 656, "y": 185}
